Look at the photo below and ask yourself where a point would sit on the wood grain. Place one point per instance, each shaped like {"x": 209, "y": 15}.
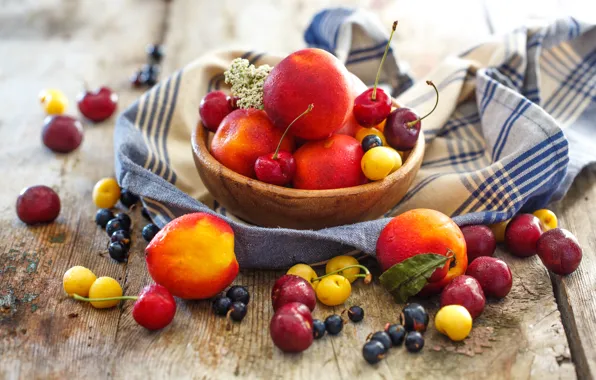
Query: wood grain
{"x": 44, "y": 335}
{"x": 575, "y": 292}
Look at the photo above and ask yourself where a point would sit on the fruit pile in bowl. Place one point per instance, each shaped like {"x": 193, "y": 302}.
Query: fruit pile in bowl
{"x": 305, "y": 145}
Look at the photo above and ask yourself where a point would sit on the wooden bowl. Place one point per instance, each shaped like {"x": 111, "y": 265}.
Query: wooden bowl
{"x": 268, "y": 205}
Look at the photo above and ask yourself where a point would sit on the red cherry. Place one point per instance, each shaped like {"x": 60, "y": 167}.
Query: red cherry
{"x": 38, "y": 204}
{"x": 98, "y": 105}
{"x": 369, "y": 112}
{"x": 155, "y": 308}
{"x": 373, "y": 105}
{"x": 403, "y": 125}
{"x": 61, "y": 133}
{"x": 278, "y": 168}
{"x": 213, "y": 108}
{"x": 277, "y": 171}
{"x": 291, "y": 327}
{"x": 522, "y": 234}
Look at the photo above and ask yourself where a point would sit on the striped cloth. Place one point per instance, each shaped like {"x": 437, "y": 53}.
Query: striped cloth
{"x": 514, "y": 126}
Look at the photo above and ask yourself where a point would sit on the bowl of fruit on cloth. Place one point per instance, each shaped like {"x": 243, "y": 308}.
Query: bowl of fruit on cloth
{"x": 305, "y": 144}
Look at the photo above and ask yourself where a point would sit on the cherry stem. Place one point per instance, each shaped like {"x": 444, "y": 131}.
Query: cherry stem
{"x": 367, "y": 276}
{"x": 80, "y": 298}
{"x": 412, "y": 123}
{"x": 307, "y": 110}
{"x": 374, "y": 93}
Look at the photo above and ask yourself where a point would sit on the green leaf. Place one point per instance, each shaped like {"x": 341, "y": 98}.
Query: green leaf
{"x": 409, "y": 277}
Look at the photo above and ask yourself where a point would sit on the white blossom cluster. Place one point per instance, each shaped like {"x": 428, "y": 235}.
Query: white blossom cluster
{"x": 247, "y": 82}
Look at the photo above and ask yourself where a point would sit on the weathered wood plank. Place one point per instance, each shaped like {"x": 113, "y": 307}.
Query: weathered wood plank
{"x": 575, "y": 293}
{"x": 58, "y": 44}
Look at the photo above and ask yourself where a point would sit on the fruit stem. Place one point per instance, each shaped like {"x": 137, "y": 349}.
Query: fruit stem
{"x": 374, "y": 93}
{"x": 307, "y": 110}
{"x": 412, "y": 123}
{"x": 80, "y": 298}
{"x": 367, "y": 276}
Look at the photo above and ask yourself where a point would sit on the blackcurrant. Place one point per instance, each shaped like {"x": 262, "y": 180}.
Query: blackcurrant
{"x": 237, "y": 311}
{"x": 113, "y": 226}
{"x": 382, "y": 337}
{"x": 117, "y": 251}
{"x": 128, "y": 199}
{"x": 397, "y": 333}
{"x": 373, "y": 351}
{"x": 371, "y": 141}
{"x": 334, "y": 324}
{"x": 221, "y": 305}
{"x": 125, "y": 220}
{"x": 138, "y": 79}
{"x": 149, "y": 232}
{"x": 122, "y": 237}
{"x": 318, "y": 328}
{"x": 238, "y": 293}
{"x": 355, "y": 313}
{"x": 155, "y": 52}
{"x": 414, "y": 317}
{"x": 414, "y": 341}
{"x": 103, "y": 216}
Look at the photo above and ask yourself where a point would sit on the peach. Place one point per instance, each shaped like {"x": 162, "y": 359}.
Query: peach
{"x": 243, "y": 136}
{"x": 424, "y": 231}
{"x": 193, "y": 256}
{"x": 309, "y": 76}
{"x": 332, "y": 163}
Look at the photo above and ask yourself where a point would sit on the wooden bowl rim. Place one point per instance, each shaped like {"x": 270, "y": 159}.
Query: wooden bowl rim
{"x": 199, "y": 147}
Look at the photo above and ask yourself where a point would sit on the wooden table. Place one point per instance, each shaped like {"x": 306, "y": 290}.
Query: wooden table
{"x": 544, "y": 329}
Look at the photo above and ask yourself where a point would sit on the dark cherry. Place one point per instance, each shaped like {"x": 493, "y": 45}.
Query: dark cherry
{"x": 403, "y": 125}
{"x": 276, "y": 170}
{"x": 61, "y": 133}
{"x": 213, "y": 108}
{"x": 279, "y": 167}
{"x": 97, "y": 105}
{"x": 374, "y": 105}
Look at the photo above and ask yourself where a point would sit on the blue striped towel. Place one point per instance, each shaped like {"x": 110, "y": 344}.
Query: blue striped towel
{"x": 514, "y": 127}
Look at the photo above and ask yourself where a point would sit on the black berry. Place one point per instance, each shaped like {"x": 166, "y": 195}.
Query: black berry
{"x": 138, "y": 79}
{"x": 382, "y": 337}
{"x": 373, "y": 351}
{"x": 318, "y": 328}
{"x": 122, "y": 237}
{"x": 128, "y": 199}
{"x": 397, "y": 334}
{"x": 221, "y": 305}
{"x": 124, "y": 220}
{"x": 414, "y": 318}
{"x": 113, "y": 226}
{"x": 238, "y": 293}
{"x": 103, "y": 216}
{"x": 414, "y": 341}
{"x": 370, "y": 142}
{"x": 355, "y": 313}
{"x": 149, "y": 232}
{"x": 237, "y": 311}
{"x": 117, "y": 251}
{"x": 334, "y": 324}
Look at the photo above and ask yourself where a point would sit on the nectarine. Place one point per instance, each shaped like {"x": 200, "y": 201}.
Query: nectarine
{"x": 243, "y": 136}
{"x": 193, "y": 256}
{"x": 309, "y": 76}
{"x": 332, "y": 163}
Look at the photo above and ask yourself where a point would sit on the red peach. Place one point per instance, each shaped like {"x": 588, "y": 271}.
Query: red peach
{"x": 245, "y": 135}
{"x": 424, "y": 231}
{"x": 332, "y": 163}
{"x": 309, "y": 76}
{"x": 193, "y": 256}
